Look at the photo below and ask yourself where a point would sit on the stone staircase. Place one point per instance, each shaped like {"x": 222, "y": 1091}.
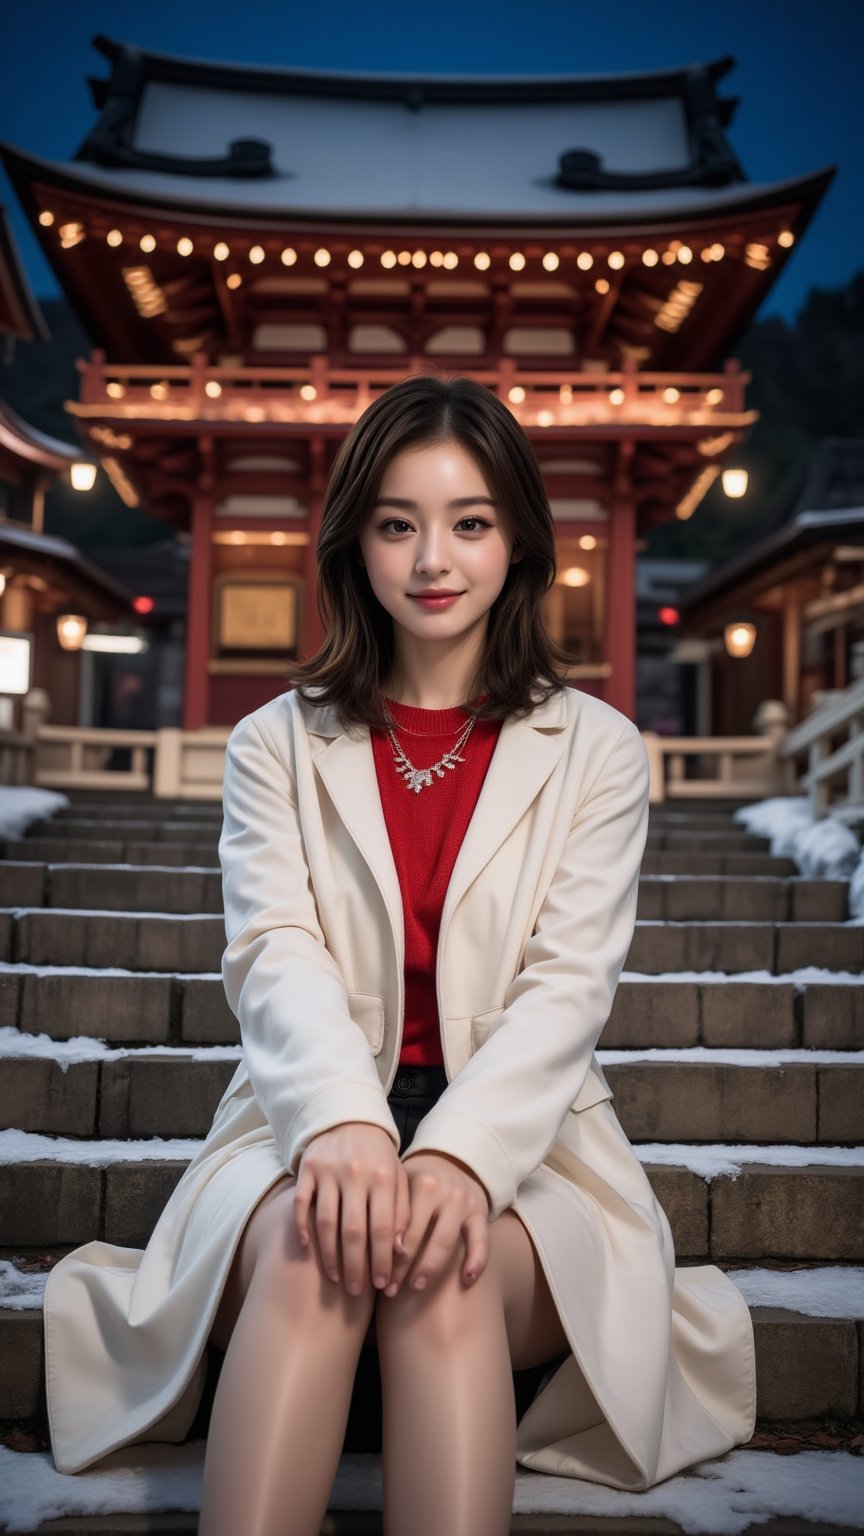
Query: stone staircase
{"x": 735, "y": 1052}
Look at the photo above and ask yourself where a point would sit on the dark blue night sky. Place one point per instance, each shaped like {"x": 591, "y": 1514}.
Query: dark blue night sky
{"x": 798, "y": 77}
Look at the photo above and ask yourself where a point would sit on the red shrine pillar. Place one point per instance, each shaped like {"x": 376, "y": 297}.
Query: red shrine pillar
{"x": 196, "y": 689}
{"x": 619, "y": 640}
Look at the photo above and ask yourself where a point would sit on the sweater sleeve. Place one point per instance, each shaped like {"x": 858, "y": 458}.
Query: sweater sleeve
{"x": 502, "y": 1113}
{"x": 309, "y": 1063}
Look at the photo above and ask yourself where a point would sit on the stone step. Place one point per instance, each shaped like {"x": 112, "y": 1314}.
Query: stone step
{"x": 800, "y": 1098}
{"x": 52, "y": 850}
{"x": 155, "y": 810}
{"x": 751, "y": 1492}
{"x": 148, "y": 830}
{"x": 166, "y": 810}
{"x": 724, "y": 1203}
{"x": 807, "y": 1357}
{"x": 201, "y": 855}
{"x": 813, "y": 1008}
{"x": 194, "y": 831}
{"x": 172, "y": 941}
{"x": 123, "y": 887}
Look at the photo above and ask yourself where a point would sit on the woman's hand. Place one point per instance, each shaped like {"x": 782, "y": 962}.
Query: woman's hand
{"x": 444, "y": 1190}
{"x": 360, "y": 1189}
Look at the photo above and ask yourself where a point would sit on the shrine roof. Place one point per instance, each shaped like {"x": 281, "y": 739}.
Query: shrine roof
{"x": 276, "y": 143}
{"x": 25, "y": 441}
{"x": 336, "y": 197}
{"x": 20, "y": 315}
{"x": 37, "y": 549}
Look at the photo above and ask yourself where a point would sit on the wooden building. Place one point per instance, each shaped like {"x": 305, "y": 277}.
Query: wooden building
{"x": 43, "y": 579}
{"x": 796, "y": 593}
{"x": 258, "y": 253}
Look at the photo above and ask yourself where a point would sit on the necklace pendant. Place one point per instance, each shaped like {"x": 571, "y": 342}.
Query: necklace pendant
{"x": 417, "y": 778}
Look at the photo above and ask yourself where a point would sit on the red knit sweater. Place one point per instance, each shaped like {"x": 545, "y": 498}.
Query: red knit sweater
{"x": 426, "y": 832}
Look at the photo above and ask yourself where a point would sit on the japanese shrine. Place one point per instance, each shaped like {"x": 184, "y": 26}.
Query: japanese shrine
{"x": 257, "y": 253}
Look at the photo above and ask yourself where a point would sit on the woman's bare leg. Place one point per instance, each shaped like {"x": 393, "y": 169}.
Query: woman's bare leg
{"x": 281, "y": 1405}
{"x": 449, "y": 1412}
{"x": 449, "y": 1416}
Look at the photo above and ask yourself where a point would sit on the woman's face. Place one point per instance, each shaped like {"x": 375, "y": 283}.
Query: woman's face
{"x": 417, "y": 538}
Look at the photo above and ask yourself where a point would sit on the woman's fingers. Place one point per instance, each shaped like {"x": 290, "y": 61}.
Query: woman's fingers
{"x": 303, "y": 1192}
{"x": 403, "y": 1205}
{"x": 382, "y": 1198}
{"x": 423, "y": 1195}
{"x": 478, "y": 1245}
{"x": 355, "y": 1196}
{"x": 327, "y": 1223}
{"x": 445, "y": 1237}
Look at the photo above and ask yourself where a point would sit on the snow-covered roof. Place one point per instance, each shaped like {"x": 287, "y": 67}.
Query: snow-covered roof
{"x": 574, "y": 149}
{"x": 472, "y": 183}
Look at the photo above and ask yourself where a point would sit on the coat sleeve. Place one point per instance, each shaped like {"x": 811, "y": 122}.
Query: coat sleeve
{"x": 309, "y": 1063}
{"x": 502, "y": 1113}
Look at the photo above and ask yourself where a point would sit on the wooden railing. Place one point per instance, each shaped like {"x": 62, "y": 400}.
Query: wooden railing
{"x": 832, "y": 740}
{"x": 318, "y": 392}
{"x": 188, "y": 765}
{"x": 728, "y": 768}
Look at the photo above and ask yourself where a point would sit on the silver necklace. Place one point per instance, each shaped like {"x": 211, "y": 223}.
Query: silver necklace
{"x": 419, "y": 778}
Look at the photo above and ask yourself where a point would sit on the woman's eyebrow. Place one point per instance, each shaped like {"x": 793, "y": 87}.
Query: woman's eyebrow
{"x": 411, "y": 506}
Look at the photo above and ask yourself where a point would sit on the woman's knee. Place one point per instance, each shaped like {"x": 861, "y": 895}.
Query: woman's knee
{"x": 446, "y": 1310}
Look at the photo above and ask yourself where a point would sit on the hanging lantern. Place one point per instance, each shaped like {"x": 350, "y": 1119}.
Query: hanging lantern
{"x": 734, "y": 482}
{"x": 739, "y": 637}
{"x": 83, "y": 476}
{"x": 71, "y": 629}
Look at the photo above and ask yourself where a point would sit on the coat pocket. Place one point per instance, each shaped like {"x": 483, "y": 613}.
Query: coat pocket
{"x": 367, "y": 1010}
{"x": 483, "y": 1024}
{"x": 594, "y": 1089}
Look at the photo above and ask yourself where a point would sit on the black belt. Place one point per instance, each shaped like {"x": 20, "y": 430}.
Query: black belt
{"x": 419, "y": 1082}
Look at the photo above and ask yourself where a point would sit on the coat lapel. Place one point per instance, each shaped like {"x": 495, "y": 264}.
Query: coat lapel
{"x": 523, "y": 759}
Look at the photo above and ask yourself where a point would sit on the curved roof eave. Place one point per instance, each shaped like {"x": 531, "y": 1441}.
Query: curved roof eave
{"x": 150, "y": 190}
{"x": 27, "y": 442}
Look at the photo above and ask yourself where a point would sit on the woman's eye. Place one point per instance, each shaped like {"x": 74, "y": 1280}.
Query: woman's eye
{"x": 484, "y": 523}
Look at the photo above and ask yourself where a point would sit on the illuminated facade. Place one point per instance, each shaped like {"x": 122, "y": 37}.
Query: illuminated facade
{"x": 259, "y": 253}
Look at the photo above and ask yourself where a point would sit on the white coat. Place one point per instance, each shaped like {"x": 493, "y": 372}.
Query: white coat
{"x": 536, "y": 925}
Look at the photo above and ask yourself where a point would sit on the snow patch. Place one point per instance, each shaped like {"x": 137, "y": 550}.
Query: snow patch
{"x": 713, "y": 1159}
{"x": 724, "y": 1496}
{"x": 92, "y": 1048}
{"x": 30, "y": 1147}
{"x": 830, "y": 1290}
{"x": 105, "y": 970}
{"x": 21, "y": 805}
{"x": 823, "y": 847}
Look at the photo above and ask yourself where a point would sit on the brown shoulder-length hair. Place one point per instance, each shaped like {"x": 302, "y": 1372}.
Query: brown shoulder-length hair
{"x": 522, "y": 664}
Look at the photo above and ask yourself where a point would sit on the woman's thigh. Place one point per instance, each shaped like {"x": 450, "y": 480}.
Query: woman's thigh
{"x": 274, "y": 1208}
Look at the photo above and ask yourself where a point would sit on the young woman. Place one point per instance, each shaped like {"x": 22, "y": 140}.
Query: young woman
{"x": 430, "y": 855}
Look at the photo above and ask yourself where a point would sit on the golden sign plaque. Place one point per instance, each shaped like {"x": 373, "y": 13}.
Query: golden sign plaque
{"x": 257, "y": 616}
